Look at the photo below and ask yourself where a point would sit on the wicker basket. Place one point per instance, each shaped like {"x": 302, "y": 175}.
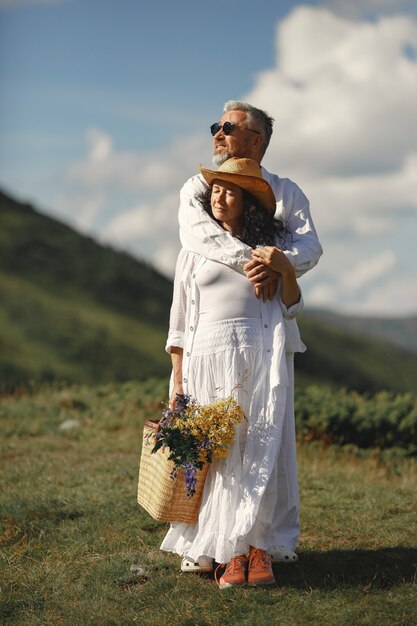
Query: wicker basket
{"x": 162, "y": 497}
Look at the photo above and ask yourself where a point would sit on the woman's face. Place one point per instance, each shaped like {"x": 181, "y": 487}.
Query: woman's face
{"x": 227, "y": 205}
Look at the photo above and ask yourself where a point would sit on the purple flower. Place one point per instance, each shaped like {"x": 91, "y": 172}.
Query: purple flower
{"x": 190, "y": 479}
{"x": 166, "y": 413}
{"x": 182, "y": 401}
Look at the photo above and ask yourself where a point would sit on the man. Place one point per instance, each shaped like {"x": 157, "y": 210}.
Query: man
{"x": 245, "y": 131}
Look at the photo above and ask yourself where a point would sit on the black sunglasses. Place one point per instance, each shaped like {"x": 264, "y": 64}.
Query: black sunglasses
{"x": 228, "y": 128}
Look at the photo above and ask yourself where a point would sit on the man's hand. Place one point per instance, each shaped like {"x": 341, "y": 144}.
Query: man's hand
{"x": 264, "y": 279}
{"x": 268, "y": 292}
{"x": 258, "y": 273}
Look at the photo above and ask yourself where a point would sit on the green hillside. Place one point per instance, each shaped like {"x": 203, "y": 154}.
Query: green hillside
{"x": 50, "y": 254}
{"x": 347, "y": 359}
{"x": 74, "y": 310}
{"x": 401, "y": 332}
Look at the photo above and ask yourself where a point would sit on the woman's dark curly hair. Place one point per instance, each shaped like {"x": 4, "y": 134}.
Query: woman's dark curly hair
{"x": 259, "y": 226}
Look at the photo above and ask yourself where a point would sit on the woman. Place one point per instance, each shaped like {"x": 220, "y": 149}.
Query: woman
{"x": 224, "y": 341}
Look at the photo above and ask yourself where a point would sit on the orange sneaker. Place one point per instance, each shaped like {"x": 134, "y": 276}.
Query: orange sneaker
{"x": 235, "y": 573}
{"x": 260, "y": 568}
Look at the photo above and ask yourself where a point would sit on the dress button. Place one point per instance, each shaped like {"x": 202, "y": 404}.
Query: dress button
{"x": 192, "y": 301}
{"x": 185, "y": 380}
{"x": 188, "y": 353}
{"x": 265, "y": 325}
{"x": 268, "y": 350}
{"x": 191, "y": 328}
{"x": 193, "y": 275}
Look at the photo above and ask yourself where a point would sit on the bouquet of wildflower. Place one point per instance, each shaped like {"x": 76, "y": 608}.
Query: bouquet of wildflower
{"x": 194, "y": 433}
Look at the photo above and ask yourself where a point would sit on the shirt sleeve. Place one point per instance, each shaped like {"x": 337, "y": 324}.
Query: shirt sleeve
{"x": 177, "y": 316}
{"x": 291, "y": 312}
{"x": 305, "y": 250}
{"x": 293, "y": 209}
{"x": 199, "y": 233}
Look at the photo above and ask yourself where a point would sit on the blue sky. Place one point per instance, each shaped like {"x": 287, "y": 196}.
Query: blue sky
{"x": 105, "y": 106}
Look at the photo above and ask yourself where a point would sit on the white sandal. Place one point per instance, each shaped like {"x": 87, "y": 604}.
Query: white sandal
{"x": 203, "y": 564}
{"x": 282, "y": 554}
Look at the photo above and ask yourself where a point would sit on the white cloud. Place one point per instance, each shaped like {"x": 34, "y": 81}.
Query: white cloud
{"x": 351, "y": 280}
{"x": 366, "y": 272}
{"x": 162, "y": 170}
{"x": 131, "y": 224}
{"x": 401, "y": 302}
{"x": 100, "y": 145}
{"x": 368, "y": 225}
{"x": 146, "y": 228}
{"x": 346, "y": 204}
{"x": 145, "y": 221}
{"x": 394, "y": 297}
{"x": 165, "y": 257}
{"x": 362, "y": 8}
{"x": 344, "y": 94}
{"x": 153, "y": 226}
{"x": 80, "y": 209}
{"x": 402, "y": 299}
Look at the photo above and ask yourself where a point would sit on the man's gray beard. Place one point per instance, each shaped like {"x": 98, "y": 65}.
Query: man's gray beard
{"x": 219, "y": 159}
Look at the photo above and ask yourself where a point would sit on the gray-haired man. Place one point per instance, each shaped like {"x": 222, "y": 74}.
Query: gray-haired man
{"x": 245, "y": 131}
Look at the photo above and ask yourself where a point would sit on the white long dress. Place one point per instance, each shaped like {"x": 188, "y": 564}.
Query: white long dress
{"x": 233, "y": 345}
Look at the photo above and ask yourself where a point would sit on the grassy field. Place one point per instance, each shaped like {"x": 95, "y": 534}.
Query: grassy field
{"x": 71, "y": 530}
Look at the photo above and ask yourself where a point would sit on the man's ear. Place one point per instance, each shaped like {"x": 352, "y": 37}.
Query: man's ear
{"x": 258, "y": 143}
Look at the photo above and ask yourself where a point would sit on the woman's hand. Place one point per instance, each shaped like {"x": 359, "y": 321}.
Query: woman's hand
{"x": 273, "y": 258}
{"x": 263, "y": 278}
{"x": 177, "y": 389}
{"x": 276, "y": 260}
{"x": 176, "y": 359}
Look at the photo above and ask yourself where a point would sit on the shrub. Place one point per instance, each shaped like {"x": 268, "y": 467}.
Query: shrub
{"x": 383, "y": 420}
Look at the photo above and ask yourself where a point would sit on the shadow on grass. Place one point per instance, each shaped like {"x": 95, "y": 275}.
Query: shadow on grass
{"x": 335, "y": 569}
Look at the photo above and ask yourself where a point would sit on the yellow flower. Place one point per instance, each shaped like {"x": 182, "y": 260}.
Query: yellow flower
{"x": 214, "y": 423}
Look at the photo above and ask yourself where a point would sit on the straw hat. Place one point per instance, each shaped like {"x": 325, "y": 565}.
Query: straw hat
{"x": 247, "y": 174}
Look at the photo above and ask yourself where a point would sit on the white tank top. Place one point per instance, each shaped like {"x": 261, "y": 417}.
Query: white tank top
{"x": 225, "y": 294}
